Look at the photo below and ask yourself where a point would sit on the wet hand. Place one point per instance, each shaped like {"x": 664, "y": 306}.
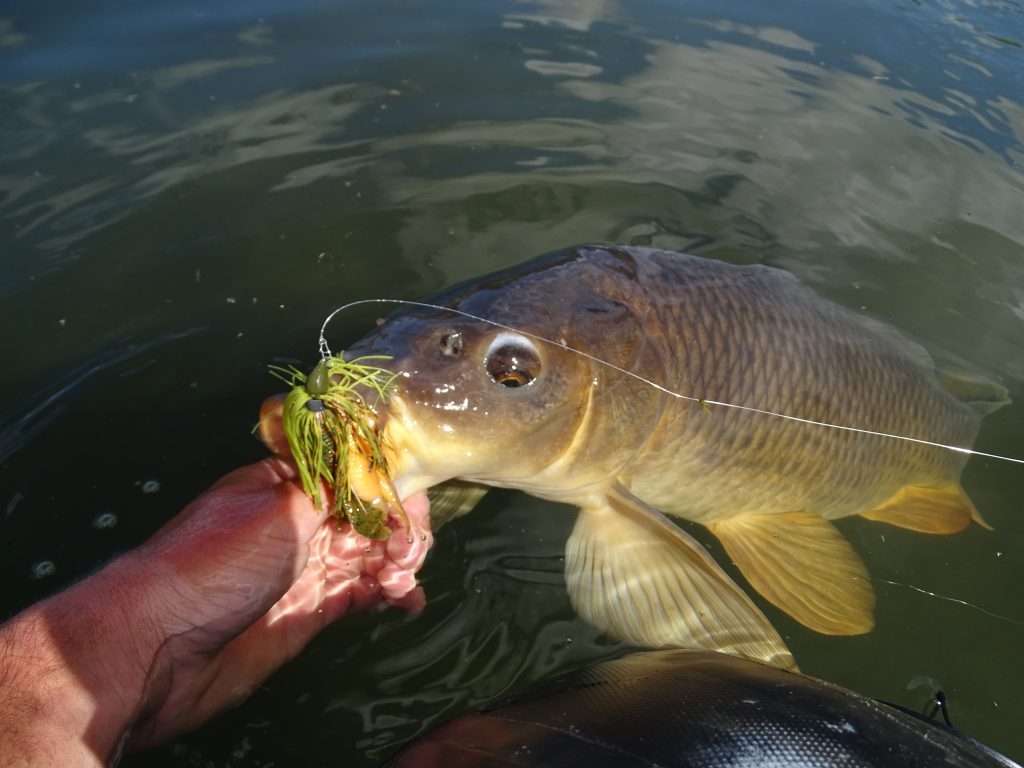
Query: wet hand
{"x": 253, "y": 573}
{"x": 192, "y": 621}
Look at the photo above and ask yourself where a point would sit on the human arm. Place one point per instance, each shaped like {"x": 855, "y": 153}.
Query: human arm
{"x": 191, "y": 621}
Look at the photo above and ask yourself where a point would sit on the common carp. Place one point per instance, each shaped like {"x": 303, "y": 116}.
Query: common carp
{"x": 519, "y": 407}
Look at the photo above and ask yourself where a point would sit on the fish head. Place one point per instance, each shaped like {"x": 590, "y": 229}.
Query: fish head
{"x": 474, "y": 400}
{"x": 523, "y": 385}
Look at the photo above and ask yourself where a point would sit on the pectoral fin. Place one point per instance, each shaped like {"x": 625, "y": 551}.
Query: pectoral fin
{"x": 803, "y": 565}
{"x": 981, "y": 394}
{"x": 636, "y": 576}
{"x": 941, "y": 509}
{"x": 453, "y": 499}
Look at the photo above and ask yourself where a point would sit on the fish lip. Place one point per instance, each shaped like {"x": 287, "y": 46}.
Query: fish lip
{"x": 408, "y": 471}
{"x": 371, "y": 396}
{"x": 392, "y": 409}
{"x": 380, "y": 406}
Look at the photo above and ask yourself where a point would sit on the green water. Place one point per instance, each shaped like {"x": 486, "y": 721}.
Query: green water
{"x": 187, "y": 188}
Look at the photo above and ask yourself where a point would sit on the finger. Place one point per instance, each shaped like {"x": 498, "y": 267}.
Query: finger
{"x": 330, "y": 586}
{"x": 214, "y": 508}
{"x": 408, "y": 548}
{"x": 282, "y": 633}
{"x": 233, "y": 552}
{"x": 349, "y": 550}
{"x": 366, "y": 593}
{"x": 413, "y": 602}
{"x": 417, "y": 507}
{"x": 396, "y": 582}
{"x": 267, "y": 494}
{"x": 272, "y": 425}
{"x": 405, "y": 557}
{"x": 262, "y": 474}
{"x": 345, "y": 572}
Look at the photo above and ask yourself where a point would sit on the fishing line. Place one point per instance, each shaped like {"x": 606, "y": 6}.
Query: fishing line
{"x": 325, "y": 352}
{"x": 955, "y": 600}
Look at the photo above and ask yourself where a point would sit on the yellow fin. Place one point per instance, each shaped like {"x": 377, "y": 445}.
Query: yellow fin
{"x": 453, "y": 499}
{"x": 633, "y": 574}
{"x": 940, "y": 509}
{"x": 802, "y": 564}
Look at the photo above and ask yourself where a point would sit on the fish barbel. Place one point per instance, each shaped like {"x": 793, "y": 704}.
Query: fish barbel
{"x": 498, "y": 407}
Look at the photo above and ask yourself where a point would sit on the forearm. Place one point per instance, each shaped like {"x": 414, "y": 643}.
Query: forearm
{"x": 70, "y": 684}
{"x": 189, "y": 622}
{"x": 28, "y": 682}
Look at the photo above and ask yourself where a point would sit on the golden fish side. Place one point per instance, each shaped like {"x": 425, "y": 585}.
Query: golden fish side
{"x": 498, "y": 406}
{"x": 767, "y": 486}
{"x": 755, "y": 336}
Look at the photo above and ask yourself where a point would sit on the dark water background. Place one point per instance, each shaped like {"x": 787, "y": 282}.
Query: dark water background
{"x": 187, "y": 188}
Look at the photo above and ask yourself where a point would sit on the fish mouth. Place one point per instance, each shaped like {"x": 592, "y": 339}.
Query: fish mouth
{"x": 411, "y": 464}
{"x": 411, "y": 459}
{"x": 397, "y": 427}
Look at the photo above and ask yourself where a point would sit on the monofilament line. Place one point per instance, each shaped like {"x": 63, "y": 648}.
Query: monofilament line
{"x": 955, "y": 601}
{"x": 325, "y": 351}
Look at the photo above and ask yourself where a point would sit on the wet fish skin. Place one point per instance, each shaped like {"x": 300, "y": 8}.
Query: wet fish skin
{"x": 756, "y": 336}
{"x": 587, "y": 433}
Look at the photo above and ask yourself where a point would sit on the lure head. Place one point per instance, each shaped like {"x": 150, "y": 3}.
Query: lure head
{"x": 318, "y": 382}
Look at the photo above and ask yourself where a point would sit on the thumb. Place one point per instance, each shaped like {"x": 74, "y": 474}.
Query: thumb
{"x": 271, "y": 426}
{"x": 268, "y": 497}
{"x": 234, "y": 550}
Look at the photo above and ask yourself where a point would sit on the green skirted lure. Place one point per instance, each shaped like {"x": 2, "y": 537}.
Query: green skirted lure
{"x": 326, "y": 418}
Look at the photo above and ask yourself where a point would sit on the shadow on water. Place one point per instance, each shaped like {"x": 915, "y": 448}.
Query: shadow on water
{"x": 186, "y": 191}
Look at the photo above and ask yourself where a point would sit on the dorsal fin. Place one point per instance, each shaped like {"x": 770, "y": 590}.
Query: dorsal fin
{"x": 898, "y": 340}
{"x": 983, "y": 395}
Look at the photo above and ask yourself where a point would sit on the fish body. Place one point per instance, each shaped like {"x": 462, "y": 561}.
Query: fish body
{"x": 685, "y": 709}
{"x": 755, "y": 336}
{"x": 554, "y": 397}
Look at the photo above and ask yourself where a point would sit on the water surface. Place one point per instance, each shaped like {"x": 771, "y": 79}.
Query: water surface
{"x": 187, "y": 188}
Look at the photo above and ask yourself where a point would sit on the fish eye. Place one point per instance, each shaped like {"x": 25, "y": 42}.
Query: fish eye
{"x": 512, "y": 361}
{"x": 451, "y": 344}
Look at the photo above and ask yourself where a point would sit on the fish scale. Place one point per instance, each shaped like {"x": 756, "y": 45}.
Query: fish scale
{"x": 774, "y": 329}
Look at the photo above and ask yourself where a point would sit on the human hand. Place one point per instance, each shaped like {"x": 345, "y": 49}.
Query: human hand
{"x": 193, "y": 620}
{"x": 255, "y": 572}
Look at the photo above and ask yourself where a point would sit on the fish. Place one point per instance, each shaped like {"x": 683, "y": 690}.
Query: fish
{"x": 553, "y": 397}
{"x": 694, "y": 709}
